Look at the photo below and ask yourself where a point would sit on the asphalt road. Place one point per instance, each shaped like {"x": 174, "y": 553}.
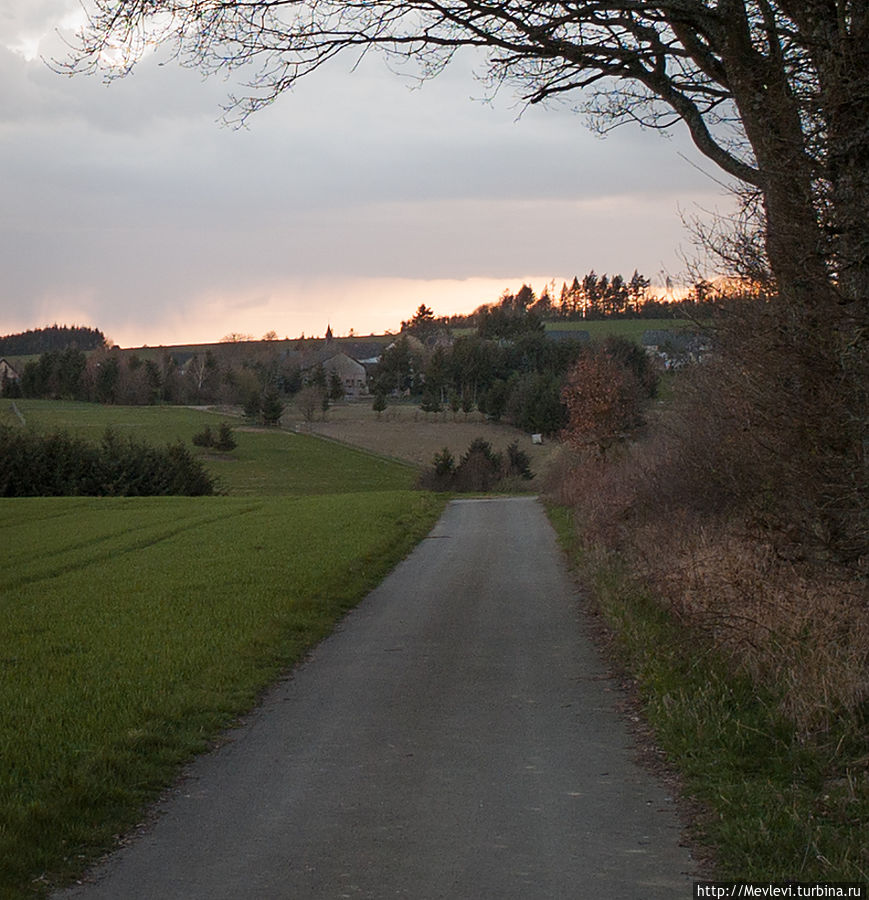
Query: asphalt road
{"x": 456, "y": 737}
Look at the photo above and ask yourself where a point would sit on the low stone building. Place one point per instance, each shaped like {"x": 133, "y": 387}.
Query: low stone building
{"x": 352, "y": 373}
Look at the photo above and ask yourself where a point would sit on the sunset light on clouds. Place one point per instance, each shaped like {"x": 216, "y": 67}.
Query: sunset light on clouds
{"x": 350, "y": 201}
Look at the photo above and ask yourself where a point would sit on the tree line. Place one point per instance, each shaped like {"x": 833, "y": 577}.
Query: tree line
{"x": 61, "y": 465}
{"x": 592, "y": 297}
{"x": 52, "y": 338}
{"x": 507, "y": 369}
{"x": 237, "y": 376}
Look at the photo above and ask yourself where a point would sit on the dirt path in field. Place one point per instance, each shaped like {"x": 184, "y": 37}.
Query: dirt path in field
{"x": 457, "y": 737}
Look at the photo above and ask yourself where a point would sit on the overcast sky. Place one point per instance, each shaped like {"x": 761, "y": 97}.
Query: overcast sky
{"x": 350, "y": 201}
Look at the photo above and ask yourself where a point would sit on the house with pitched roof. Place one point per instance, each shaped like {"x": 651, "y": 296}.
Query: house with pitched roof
{"x": 7, "y": 372}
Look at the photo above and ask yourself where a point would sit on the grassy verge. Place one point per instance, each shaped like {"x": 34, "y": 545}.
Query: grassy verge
{"x": 134, "y": 629}
{"x": 777, "y": 808}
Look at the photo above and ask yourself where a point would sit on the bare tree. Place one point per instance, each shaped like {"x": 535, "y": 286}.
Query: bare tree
{"x": 775, "y": 92}
{"x": 309, "y": 400}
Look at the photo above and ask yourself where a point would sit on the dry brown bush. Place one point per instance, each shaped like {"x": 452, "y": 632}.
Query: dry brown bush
{"x": 801, "y": 631}
{"x": 797, "y": 626}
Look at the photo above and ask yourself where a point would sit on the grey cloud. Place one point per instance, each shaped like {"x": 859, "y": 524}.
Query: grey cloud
{"x": 32, "y": 18}
{"x": 133, "y": 196}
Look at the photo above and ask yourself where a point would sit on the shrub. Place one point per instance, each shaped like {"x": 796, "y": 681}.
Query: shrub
{"x": 604, "y": 402}
{"x": 518, "y": 462}
{"x": 253, "y": 407}
{"x": 786, "y": 393}
{"x": 431, "y": 402}
{"x": 477, "y": 471}
{"x": 225, "y": 440}
{"x": 441, "y": 474}
{"x": 183, "y": 473}
{"x": 484, "y": 448}
{"x": 444, "y": 463}
{"x": 480, "y": 468}
{"x": 204, "y": 438}
{"x": 678, "y": 507}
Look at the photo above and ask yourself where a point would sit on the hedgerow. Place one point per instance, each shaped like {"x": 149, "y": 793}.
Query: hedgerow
{"x": 57, "y": 464}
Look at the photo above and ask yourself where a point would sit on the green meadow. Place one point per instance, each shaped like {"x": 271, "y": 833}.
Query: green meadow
{"x": 135, "y": 629}
{"x": 632, "y": 329}
{"x": 266, "y": 462}
{"x": 599, "y": 329}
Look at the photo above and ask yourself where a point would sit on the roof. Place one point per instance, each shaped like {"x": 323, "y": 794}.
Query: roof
{"x": 358, "y": 351}
{"x": 333, "y": 360}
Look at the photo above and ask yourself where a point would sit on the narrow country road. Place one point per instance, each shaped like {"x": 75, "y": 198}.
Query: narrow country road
{"x": 456, "y": 737}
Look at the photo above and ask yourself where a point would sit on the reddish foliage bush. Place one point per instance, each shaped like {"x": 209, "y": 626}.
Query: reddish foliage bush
{"x": 604, "y": 402}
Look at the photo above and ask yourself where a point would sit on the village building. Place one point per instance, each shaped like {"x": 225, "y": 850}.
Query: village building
{"x": 7, "y": 372}
{"x": 352, "y": 361}
{"x": 351, "y": 373}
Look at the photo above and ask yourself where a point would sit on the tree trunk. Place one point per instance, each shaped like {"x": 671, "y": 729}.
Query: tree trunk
{"x": 795, "y": 240}
{"x": 845, "y": 92}
{"x": 797, "y": 362}
{"x": 836, "y": 38}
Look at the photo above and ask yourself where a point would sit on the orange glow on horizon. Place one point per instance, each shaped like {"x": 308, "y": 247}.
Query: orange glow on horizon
{"x": 364, "y": 306}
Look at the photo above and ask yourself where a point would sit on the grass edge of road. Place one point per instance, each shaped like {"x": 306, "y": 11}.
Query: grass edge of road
{"x": 764, "y": 806}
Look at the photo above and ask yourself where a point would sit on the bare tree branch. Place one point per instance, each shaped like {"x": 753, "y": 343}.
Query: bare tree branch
{"x": 774, "y": 92}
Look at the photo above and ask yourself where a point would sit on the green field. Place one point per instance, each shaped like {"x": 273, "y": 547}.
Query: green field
{"x": 632, "y": 329}
{"x": 598, "y": 329}
{"x": 134, "y": 629}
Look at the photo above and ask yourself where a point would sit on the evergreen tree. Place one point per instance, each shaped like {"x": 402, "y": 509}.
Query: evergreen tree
{"x": 272, "y": 407}
{"x": 336, "y": 386}
{"x": 253, "y": 406}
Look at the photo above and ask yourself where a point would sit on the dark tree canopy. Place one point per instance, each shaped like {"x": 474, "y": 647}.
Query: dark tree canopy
{"x": 54, "y": 337}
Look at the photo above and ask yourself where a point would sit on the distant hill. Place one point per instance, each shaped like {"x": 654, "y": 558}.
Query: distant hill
{"x": 359, "y": 346}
